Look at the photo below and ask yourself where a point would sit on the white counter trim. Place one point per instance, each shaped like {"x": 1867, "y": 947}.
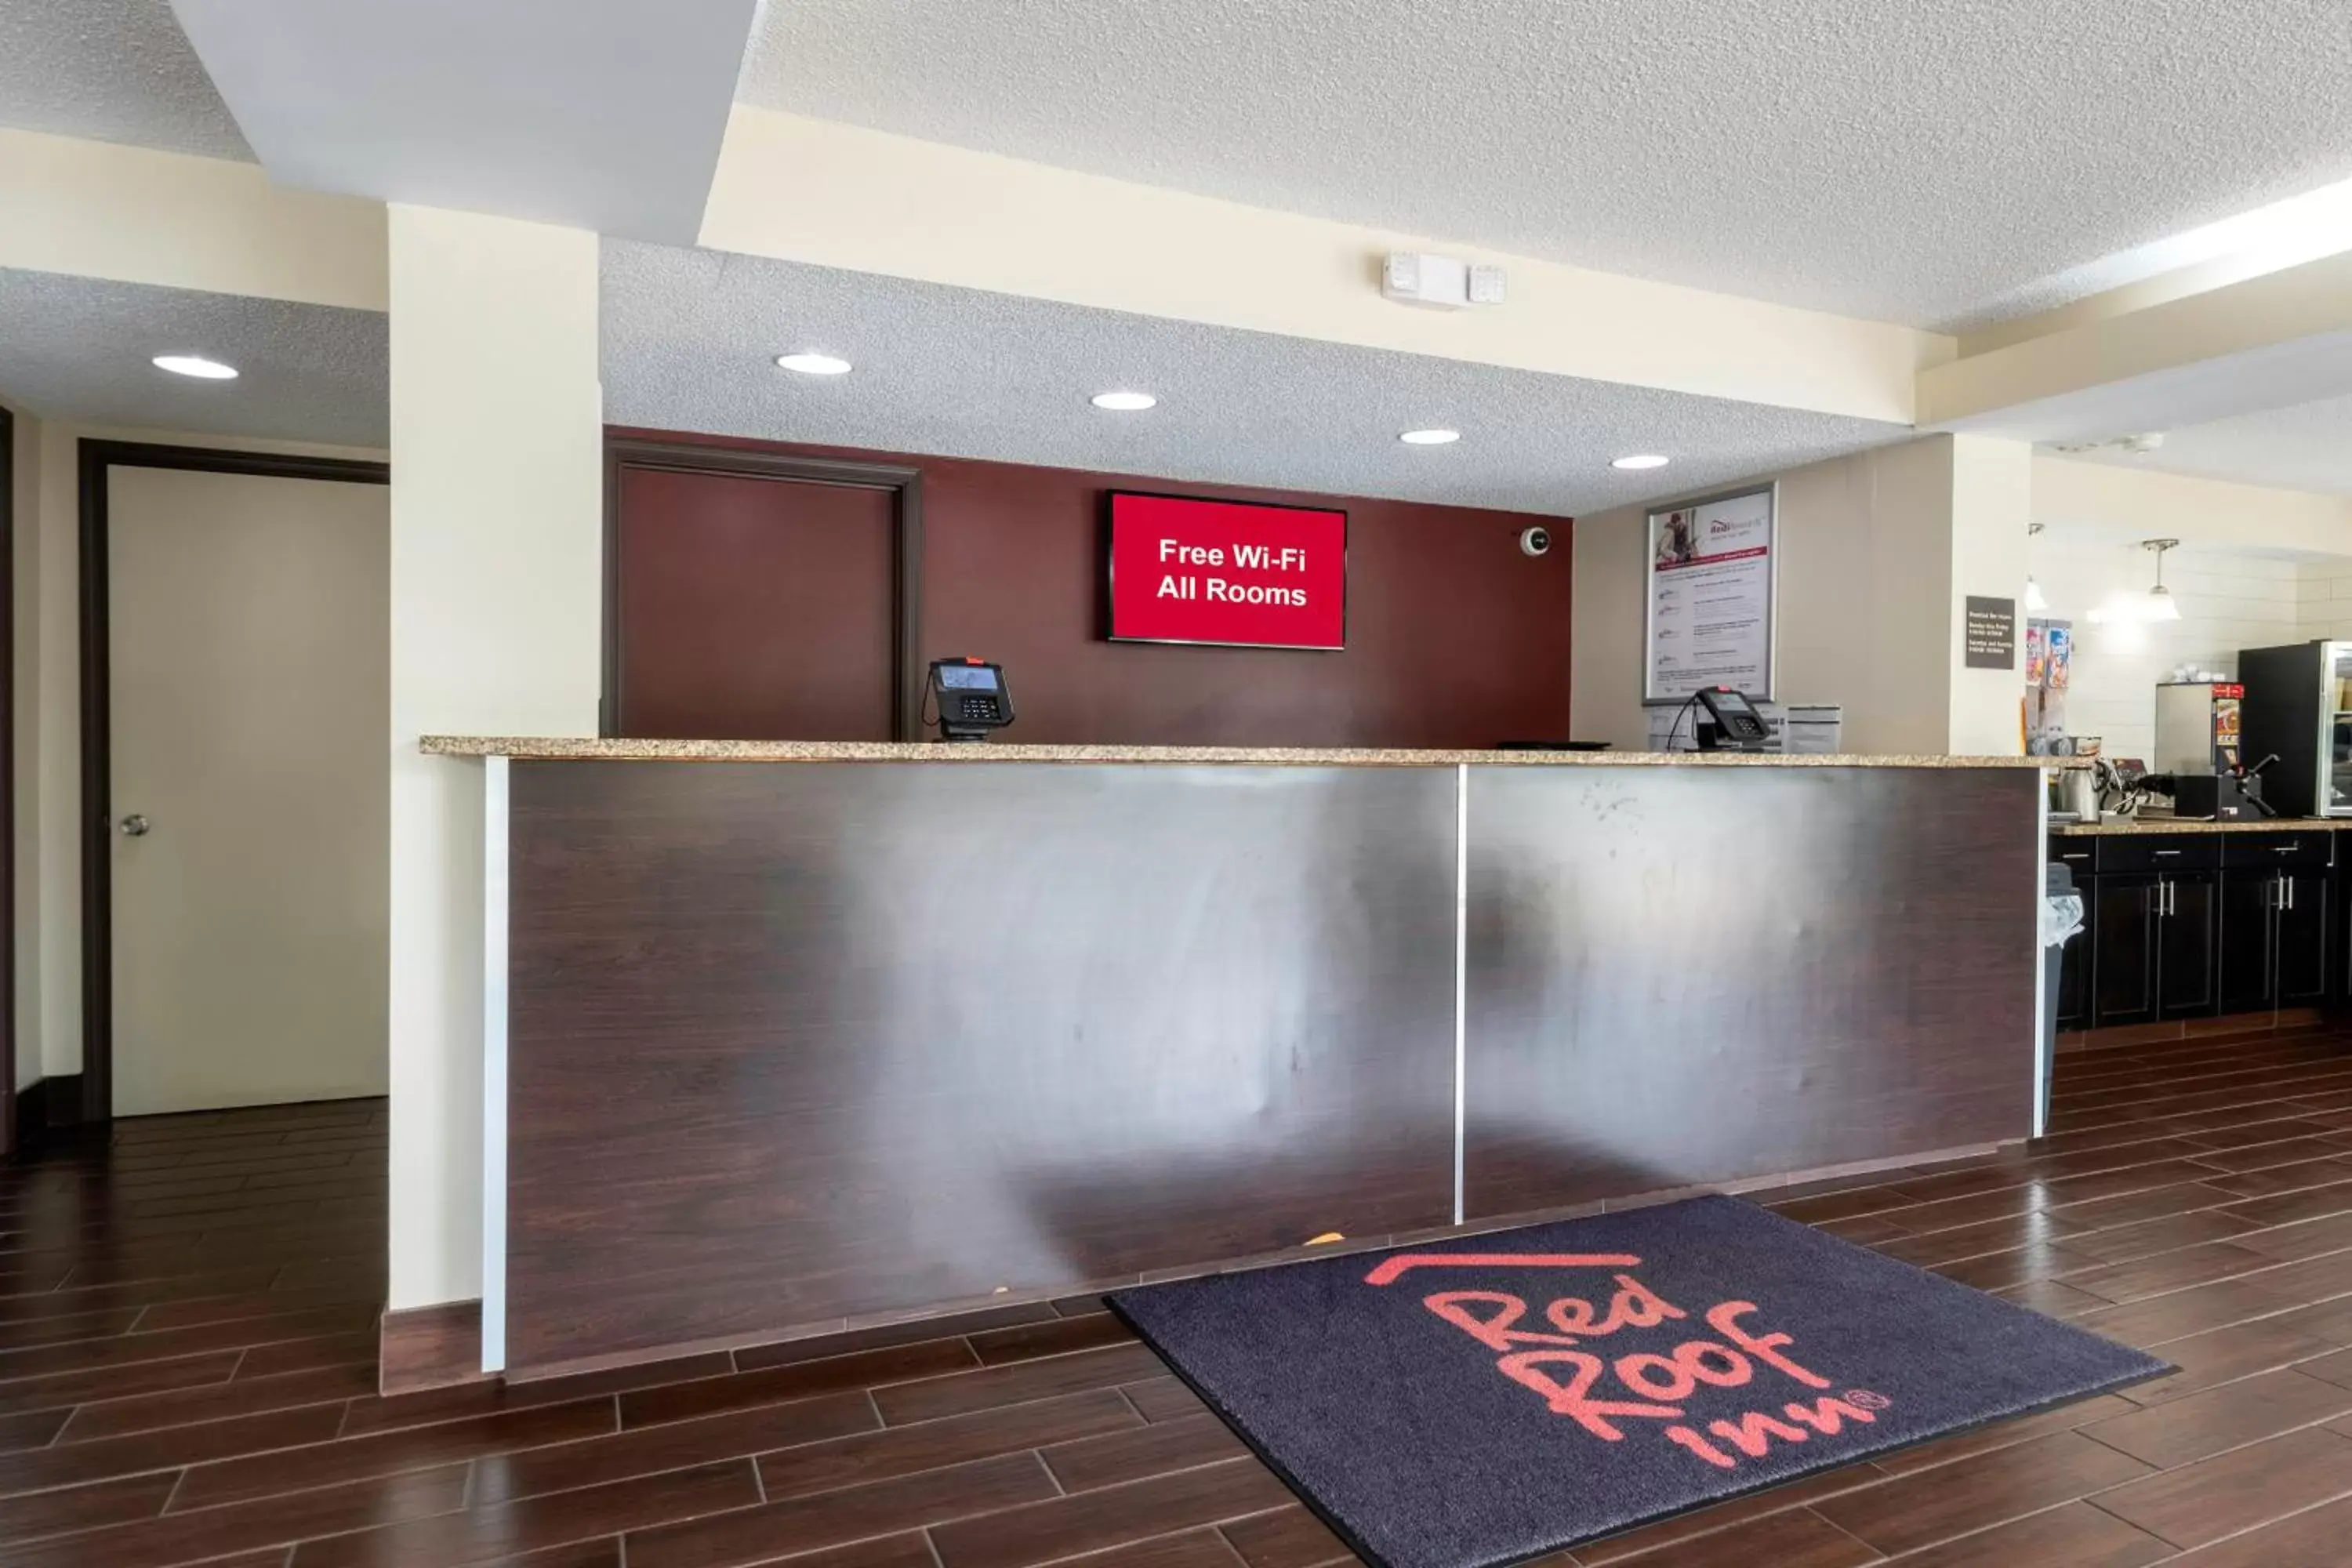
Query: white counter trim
{"x": 494, "y": 1063}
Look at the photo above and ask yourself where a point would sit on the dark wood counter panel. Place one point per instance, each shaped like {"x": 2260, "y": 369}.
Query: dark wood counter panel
{"x": 790, "y": 1046}
{"x": 1684, "y": 977}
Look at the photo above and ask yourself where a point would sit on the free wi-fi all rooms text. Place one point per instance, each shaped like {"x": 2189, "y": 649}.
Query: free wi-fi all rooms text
{"x": 1186, "y": 585}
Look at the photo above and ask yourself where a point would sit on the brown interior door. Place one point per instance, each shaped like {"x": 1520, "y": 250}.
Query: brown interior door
{"x": 752, "y": 608}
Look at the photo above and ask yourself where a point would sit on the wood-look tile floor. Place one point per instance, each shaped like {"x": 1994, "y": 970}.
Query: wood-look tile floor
{"x": 187, "y": 1367}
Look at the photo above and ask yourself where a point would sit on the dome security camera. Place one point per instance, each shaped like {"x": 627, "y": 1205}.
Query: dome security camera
{"x": 1535, "y": 541}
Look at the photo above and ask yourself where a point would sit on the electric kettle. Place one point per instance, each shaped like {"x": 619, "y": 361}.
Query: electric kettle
{"x": 2076, "y": 789}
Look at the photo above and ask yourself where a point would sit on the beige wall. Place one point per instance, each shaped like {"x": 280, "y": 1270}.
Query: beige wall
{"x": 1867, "y": 580}
{"x": 842, "y": 196}
{"x": 2130, "y": 502}
{"x": 101, "y": 210}
{"x": 496, "y": 565}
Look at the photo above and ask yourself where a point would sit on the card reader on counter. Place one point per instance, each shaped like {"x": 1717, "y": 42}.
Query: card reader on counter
{"x": 972, "y": 699}
{"x": 1732, "y": 722}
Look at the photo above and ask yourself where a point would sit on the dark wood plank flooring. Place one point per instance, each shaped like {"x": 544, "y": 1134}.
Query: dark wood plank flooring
{"x": 187, "y": 1375}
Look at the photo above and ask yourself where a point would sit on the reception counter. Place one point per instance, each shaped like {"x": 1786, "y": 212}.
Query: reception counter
{"x": 784, "y": 1038}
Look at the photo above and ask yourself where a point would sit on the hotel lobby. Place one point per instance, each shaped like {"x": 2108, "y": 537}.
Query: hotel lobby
{"x": 912, "y": 786}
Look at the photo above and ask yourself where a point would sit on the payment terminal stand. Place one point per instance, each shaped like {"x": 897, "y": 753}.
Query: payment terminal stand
{"x": 973, "y": 701}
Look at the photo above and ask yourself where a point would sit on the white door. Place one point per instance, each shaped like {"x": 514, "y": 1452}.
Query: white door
{"x": 248, "y": 621}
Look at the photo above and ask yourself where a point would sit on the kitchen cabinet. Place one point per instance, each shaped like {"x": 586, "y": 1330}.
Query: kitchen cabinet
{"x": 2187, "y": 928}
{"x": 2305, "y": 928}
{"x": 2194, "y": 925}
{"x": 2250, "y": 901}
{"x": 2274, "y": 927}
{"x": 2123, "y": 959}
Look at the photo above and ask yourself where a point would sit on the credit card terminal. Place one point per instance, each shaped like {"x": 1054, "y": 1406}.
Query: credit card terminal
{"x": 1734, "y": 720}
{"x": 971, "y": 697}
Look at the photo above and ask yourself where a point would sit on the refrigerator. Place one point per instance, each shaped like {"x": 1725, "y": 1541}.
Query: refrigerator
{"x": 2298, "y": 706}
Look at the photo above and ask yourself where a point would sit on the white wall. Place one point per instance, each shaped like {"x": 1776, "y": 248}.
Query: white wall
{"x": 1992, "y": 509}
{"x": 2324, "y": 599}
{"x": 2257, "y": 566}
{"x": 496, "y": 565}
{"x": 2229, "y": 600}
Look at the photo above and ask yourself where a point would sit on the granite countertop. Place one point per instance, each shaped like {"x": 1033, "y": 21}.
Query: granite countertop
{"x": 2191, "y": 824}
{"x": 560, "y": 748}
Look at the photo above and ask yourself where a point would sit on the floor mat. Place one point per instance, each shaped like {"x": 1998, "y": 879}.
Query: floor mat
{"x": 1488, "y": 1399}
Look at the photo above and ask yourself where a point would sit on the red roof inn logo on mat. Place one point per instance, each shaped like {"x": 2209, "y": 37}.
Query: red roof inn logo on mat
{"x": 1570, "y": 1364}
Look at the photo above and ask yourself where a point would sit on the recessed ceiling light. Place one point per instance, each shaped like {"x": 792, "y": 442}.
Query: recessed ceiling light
{"x": 203, "y": 369}
{"x": 1639, "y": 461}
{"x": 1430, "y": 438}
{"x": 814, "y": 363}
{"x": 1124, "y": 401}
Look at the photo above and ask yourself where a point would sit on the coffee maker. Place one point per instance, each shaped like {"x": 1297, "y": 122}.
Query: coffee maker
{"x": 2200, "y": 757}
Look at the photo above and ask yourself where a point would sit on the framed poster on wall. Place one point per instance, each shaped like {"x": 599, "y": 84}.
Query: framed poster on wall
{"x": 1709, "y": 619}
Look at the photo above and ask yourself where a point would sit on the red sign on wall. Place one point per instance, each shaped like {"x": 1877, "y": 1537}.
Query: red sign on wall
{"x": 1222, "y": 572}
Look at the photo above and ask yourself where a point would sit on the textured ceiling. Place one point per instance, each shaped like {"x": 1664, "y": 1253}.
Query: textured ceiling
{"x": 109, "y": 70}
{"x": 77, "y": 349}
{"x": 690, "y": 338}
{"x": 596, "y": 114}
{"x": 1923, "y": 163}
{"x": 2305, "y": 447}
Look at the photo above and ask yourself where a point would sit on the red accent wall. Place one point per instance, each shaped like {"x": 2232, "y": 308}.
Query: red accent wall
{"x": 1456, "y": 638}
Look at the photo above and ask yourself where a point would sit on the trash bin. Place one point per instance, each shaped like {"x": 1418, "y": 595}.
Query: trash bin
{"x": 2062, "y": 918}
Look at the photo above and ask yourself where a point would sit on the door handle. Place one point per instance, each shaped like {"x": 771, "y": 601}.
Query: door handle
{"x": 134, "y": 827}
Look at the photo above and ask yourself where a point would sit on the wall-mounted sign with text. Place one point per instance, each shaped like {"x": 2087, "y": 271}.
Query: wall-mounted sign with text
{"x": 1709, "y": 616}
{"x": 1189, "y": 570}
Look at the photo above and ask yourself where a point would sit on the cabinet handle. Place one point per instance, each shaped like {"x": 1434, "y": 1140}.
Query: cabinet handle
{"x": 2286, "y": 885}
{"x": 2162, "y": 853}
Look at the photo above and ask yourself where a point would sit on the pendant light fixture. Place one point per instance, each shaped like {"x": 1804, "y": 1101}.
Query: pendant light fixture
{"x": 2036, "y": 602}
{"x": 2160, "y": 606}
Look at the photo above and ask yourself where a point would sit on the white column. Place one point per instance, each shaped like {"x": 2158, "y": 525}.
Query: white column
{"x": 495, "y": 599}
{"x": 1993, "y": 501}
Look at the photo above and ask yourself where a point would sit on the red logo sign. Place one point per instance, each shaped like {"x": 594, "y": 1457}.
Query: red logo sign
{"x": 1222, "y": 572}
{"x": 1583, "y": 1382}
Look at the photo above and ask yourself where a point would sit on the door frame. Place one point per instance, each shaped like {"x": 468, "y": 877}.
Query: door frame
{"x": 94, "y": 459}
{"x": 8, "y": 1140}
{"x": 904, "y": 482}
